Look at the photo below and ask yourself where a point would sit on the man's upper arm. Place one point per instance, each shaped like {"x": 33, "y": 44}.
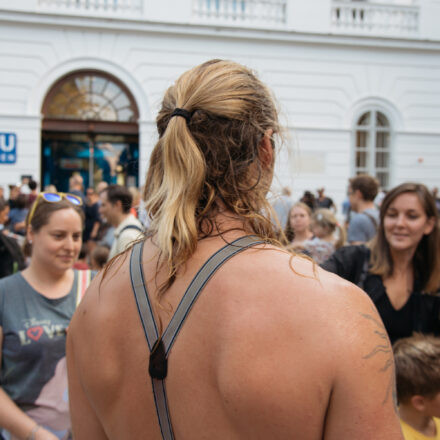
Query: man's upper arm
{"x": 363, "y": 399}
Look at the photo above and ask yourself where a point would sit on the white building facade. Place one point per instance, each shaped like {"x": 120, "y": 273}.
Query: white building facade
{"x": 357, "y": 82}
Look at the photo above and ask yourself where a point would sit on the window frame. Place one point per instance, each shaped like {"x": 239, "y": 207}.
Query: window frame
{"x": 371, "y": 143}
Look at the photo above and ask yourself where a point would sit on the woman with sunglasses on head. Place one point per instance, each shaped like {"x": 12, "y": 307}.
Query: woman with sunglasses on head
{"x": 36, "y": 306}
{"x": 400, "y": 267}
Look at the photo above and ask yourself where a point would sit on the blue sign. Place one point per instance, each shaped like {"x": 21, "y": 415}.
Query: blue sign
{"x": 8, "y": 148}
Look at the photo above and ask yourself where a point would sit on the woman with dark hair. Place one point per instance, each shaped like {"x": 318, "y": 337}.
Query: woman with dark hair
{"x": 400, "y": 267}
{"x": 36, "y": 306}
{"x": 242, "y": 349}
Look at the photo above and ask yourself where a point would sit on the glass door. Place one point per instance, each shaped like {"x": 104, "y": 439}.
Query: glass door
{"x": 96, "y": 157}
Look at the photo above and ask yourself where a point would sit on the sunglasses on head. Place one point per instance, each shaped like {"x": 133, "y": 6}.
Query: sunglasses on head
{"x": 52, "y": 197}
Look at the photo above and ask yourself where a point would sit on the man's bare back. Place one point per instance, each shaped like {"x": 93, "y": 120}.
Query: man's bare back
{"x": 274, "y": 348}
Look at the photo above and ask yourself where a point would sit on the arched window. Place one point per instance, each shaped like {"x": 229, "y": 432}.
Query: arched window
{"x": 90, "y": 96}
{"x": 372, "y": 146}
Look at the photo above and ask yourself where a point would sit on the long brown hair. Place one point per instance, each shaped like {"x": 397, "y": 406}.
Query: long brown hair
{"x": 288, "y": 230}
{"x": 210, "y": 162}
{"x": 426, "y": 260}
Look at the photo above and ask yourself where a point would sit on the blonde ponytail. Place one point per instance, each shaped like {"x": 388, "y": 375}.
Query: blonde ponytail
{"x": 177, "y": 196}
{"x": 327, "y": 220}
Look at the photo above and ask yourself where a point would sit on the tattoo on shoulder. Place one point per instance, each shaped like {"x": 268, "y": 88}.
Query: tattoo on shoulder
{"x": 383, "y": 350}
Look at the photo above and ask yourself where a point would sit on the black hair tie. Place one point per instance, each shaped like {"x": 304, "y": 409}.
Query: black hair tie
{"x": 182, "y": 112}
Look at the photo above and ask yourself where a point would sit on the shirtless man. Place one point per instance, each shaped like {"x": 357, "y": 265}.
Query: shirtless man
{"x": 273, "y": 348}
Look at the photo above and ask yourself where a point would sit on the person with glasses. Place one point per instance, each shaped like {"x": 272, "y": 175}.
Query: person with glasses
{"x": 36, "y": 306}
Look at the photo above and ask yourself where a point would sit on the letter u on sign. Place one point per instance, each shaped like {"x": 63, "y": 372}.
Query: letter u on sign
{"x": 8, "y": 147}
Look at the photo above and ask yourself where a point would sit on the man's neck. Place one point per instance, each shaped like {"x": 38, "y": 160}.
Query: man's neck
{"x": 120, "y": 218}
{"x": 364, "y": 205}
{"x": 417, "y": 420}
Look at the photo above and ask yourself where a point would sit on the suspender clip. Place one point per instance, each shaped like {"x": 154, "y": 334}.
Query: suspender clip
{"x": 158, "y": 367}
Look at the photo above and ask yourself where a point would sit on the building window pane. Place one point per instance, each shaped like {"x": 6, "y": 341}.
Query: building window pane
{"x": 362, "y": 139}
{"x": 383, "y": 178}
{"x": 382, "y": 140}
{"x": 361, "y": 159}
{"x": 382, "y": 159}
{"x": 365, "y": 119}
{"x": 381, "y": 120}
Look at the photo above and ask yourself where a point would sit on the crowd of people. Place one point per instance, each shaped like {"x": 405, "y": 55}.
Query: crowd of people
{"x": 273, "y": 346}
{"x": 391, "y": 250}
{"x": 112, "y": 218}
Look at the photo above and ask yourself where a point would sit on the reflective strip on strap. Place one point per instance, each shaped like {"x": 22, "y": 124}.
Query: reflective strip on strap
{"x": 163, "y": 413}
{"x": 141, "y": 295}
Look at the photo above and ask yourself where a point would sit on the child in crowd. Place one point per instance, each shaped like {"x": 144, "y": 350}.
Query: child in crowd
{"x": 418, "y": 386}
{"x": 99, "y": 257}
{"x": 327, "y": 236}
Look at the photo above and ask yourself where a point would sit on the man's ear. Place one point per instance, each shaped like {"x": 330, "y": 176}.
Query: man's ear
{"x": 266, "y": 153}
{"x": 418, "y": 402}
{"x": 358, "y": 194}
{"x": 118, "y": 204}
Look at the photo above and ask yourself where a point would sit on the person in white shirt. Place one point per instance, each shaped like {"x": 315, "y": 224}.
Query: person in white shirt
{"x": 116, "y": 201}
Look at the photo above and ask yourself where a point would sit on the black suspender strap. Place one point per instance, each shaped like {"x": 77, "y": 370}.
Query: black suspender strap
{"x": 161, "y": 346}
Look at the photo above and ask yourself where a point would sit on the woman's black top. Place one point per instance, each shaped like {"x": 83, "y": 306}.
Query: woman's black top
{"x": 421, "y": 313}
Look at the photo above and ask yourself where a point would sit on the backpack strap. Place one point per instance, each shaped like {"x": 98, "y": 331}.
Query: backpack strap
{"x": 161, "y": 346}
{"x": 373, "y": 220}
{"x": 138, "y": 228}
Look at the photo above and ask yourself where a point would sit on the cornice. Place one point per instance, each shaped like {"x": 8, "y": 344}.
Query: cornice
{"x": 215, "y": 31}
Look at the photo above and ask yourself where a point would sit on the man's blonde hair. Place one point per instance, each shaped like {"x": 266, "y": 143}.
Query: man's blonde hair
{"x": 210, "y": 162}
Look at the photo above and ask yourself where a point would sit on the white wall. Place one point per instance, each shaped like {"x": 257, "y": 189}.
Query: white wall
{"x": 318, "y": 85}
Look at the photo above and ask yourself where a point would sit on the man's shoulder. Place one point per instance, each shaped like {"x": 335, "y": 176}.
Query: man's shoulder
{"x": 278, "y": 279}
{"x": 292, "y": 320}
{"x": 372, "y": 212}
{"x": 358, "y": 218}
